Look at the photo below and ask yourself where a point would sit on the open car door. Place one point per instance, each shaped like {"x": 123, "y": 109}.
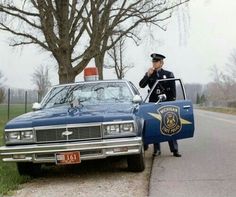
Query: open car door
{"x": 168, "y": 120}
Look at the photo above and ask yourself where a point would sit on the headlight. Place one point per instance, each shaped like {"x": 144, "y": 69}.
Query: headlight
{"x": 27, "y": 135}
{"x": 128, "y": 127}
{"x": 112, "y": 129}
{"x": 13, "y": 136}
{"x": 19, "y": 136}
{"x": 118, "y": 129}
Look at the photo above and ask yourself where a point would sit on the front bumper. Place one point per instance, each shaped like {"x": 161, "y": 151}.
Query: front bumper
{"x": 45, "y": 153}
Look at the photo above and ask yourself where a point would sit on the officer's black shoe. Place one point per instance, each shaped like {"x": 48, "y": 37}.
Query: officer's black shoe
{"x": 176, "y": 154}
{"x": 156, "y": 153}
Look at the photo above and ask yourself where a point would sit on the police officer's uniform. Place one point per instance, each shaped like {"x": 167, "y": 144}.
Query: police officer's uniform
{"x": 167, "y": 88}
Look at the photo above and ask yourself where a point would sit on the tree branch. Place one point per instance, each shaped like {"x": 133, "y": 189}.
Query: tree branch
{"x": 13, "y": 8}
{"x": 6, "y": 10}
{"x": 25, "y": 35}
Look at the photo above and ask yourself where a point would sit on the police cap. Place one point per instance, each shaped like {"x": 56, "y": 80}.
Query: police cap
{"x": 157, "y": 57}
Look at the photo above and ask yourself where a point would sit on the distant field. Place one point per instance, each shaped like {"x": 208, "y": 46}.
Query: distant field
{"x": 15, "y": 110}
{"x": 9, "y": 178}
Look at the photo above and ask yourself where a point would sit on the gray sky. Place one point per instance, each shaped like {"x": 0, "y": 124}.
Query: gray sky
{"x": 209, "y": 40}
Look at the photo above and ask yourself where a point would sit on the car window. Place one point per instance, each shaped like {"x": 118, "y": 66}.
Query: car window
{"x": 88, "y": 94}
{"x": 136, "y": 92}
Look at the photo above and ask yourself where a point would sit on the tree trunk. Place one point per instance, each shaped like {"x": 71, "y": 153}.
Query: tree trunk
{"x": 66, "y": 78}
{"x": 65, "y": 71}
{"x": 99, "y": 60}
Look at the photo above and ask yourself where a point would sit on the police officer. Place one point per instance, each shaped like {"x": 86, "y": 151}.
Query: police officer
{"x": 168, "y": 88}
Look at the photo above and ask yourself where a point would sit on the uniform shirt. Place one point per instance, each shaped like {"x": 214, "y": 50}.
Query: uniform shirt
{"x": 166, "y": 87}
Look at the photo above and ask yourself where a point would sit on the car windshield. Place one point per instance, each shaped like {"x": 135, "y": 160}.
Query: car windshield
{"x": 88, "y": 94}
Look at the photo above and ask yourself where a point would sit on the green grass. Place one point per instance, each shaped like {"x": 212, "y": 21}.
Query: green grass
{"x": 9, "y": 177}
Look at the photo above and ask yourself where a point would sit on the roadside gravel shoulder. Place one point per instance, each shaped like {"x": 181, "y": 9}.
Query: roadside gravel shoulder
{"x": 107, "y": 177}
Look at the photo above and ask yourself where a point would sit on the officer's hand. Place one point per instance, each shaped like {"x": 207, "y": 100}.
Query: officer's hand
{"x": 150, "y": 71}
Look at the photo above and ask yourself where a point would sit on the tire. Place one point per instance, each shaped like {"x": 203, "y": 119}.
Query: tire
{"x": 136, "y": 162}
{"x": 30, "y": 169}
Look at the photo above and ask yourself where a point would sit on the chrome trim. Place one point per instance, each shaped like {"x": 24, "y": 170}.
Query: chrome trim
{"x": 68, "y": 126}
{"x": 119, "y": 122}
{"x": 186, "y": 106}
{"x": 37, "y": 131}
{"x": 133, "y": 145}
{"x": 19, "y": 129}
{"x": 66, "y": 141}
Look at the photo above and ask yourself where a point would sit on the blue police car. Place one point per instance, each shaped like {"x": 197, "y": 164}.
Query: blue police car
{"x": 94, "y": 120}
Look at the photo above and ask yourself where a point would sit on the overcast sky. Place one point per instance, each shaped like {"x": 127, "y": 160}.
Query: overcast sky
{"x": 209, "y": 40}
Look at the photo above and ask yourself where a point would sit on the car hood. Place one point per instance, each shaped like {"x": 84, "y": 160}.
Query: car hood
{"x": 73, "y": 115}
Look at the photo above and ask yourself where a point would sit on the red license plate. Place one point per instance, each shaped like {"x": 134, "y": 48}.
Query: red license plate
{"x": 65, "y": 158}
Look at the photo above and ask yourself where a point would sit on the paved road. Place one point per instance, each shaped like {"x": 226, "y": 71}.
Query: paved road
{"x": 208, "y": 163}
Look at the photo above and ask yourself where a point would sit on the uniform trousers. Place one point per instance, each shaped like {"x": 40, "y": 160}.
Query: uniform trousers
{"x": 172, "y": 144}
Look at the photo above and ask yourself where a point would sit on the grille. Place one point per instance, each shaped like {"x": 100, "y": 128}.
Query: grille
{"x": 77, "y": 133}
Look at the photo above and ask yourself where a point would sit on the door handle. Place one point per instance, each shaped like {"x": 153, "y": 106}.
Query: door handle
{"x": 186, "y": 106}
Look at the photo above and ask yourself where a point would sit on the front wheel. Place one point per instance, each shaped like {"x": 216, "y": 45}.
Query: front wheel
{"x": 30, "y": 169}
{"x": 136, "y": 162}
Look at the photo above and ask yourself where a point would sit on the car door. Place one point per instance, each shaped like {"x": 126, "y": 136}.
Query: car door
{"x": 164, "y": 121}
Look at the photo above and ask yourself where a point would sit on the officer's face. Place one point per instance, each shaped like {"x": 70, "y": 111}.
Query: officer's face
{"x": 157, "y": 64}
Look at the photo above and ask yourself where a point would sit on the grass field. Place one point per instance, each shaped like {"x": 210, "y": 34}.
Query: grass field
{"x": 9, "y": 178}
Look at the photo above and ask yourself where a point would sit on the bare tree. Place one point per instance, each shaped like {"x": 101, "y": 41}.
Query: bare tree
{"x": 222, "y": 86}
{"x": 222, "y": 90}
{"x": 75, "y": 31}
{"x": 193, "y": 90}
{"x": 116, "y": 54}
{"x": 122, "y": 18}
{"x": 54, "y": 25}
{"x": 232, "y": 65}
{"x": 40, "y": 78}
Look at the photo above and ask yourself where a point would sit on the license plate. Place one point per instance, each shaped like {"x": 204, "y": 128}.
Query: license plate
{"x": 65, "y": 158}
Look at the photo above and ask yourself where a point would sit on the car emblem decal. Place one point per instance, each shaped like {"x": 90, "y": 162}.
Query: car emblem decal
{"x": 67, "y": 133}
{"x": 170, "y": 120}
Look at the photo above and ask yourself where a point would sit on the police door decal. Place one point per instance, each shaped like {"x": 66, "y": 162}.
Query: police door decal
{"x": 170, "y": 120}
{"x": 167, "y": 121}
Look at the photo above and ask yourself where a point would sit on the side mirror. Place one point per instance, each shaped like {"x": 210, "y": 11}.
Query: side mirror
{"x": 36, "y": 106}
{"x": 137, "y": 99}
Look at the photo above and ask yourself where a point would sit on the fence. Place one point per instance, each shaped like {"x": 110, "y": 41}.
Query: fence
{"x": 17, "y": 101}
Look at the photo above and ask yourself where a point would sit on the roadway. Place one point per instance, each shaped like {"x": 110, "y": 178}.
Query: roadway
{"x": 208, "y": 163}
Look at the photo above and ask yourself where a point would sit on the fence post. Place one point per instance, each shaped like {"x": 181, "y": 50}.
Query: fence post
{"x": 8, "y": 103}
{"x": 25, "y": 101}
{"x": 38, "y": 96}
